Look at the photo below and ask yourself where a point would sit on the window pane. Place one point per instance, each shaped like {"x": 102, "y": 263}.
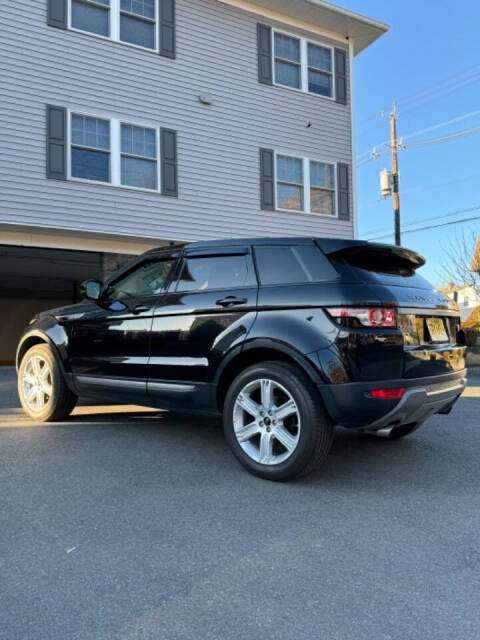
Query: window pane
{"x": 222, "y": 272}
{"x": 137, "y": 32}
{"x": 319, "y": 57}
{"x": 148, "y": 279}
{"x": 295, "y": 264}
{"x": 320, "y": 83}
{"x": 289, "y": 169}
{"x": 90, "y": 132}
{"x": 321, "y": 175}
{"x": 140, "y": 7}
{"x": 287, "y": 74}
{"x": 289, "y": 197}
{"x": 91, "y": 165}
{"x": 139, "y": 173}
{"x": 322, "y": 201}
{"x": 139, "y": 141}
{"x": 90, "y": 18}
{"x": 287, "y": 47}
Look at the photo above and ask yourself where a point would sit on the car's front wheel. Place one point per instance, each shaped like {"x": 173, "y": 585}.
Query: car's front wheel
{"x": 275, "y": 423}
{"x": 41, "y": 387}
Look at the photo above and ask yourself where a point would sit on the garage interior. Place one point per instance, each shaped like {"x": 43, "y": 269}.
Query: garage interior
{"x": 33, "y": 279}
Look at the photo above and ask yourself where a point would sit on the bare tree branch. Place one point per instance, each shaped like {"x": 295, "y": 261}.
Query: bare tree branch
{"x": 458, "y": 256}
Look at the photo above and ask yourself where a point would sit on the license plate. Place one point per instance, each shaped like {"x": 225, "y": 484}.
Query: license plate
{"x": 437, "y": 330}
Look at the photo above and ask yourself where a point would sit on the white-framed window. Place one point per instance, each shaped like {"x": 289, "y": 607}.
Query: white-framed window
{"x": 306, "y": 185}
{"x": 133, "y": 22}
{"x": 299, "y": 63}
{"x": 113, "y": 151}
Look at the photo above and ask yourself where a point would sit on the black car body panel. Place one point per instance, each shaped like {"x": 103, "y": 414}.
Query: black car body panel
{"x": 176, "y": 348}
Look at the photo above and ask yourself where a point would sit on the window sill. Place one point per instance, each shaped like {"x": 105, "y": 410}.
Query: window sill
{"x": 308, "y": 213}
{"x": 97, "y": 36}
{"x": 306, "y": 93}
{"x": 113, "y": 186}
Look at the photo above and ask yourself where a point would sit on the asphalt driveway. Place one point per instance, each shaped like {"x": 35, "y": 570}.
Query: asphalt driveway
{"x": 141, "y": 525}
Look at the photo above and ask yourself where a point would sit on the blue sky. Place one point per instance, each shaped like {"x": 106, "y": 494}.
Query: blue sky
{"x": 431, "y": 47}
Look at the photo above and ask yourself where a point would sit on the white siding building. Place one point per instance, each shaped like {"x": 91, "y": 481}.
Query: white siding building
{"x": 125, "y": 124}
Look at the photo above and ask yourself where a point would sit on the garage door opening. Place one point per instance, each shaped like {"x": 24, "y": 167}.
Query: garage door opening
{"x": 34, "y": 279}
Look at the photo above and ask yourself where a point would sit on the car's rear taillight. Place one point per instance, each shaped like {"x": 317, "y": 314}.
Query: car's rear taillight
{"x": 367, "y": 316}
{"x": 386, "y": 394}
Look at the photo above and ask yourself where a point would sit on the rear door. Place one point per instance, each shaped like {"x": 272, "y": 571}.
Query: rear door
{"x": 208, "y": 310}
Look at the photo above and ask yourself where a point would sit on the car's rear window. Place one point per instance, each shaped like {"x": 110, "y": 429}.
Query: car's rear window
{"x": 378, "y": 274}
{"x": 293, "y": 265}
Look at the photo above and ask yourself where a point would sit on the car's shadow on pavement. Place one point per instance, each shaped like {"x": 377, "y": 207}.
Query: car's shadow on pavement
{"x": 357, "y": 462}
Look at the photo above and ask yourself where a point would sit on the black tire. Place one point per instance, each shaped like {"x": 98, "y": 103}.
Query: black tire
{"x": 316, "y": 432}
{"x": 61, "y": 401}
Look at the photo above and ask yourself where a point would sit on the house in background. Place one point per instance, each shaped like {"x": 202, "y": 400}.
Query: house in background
{"x": 466, "y": 296}
{"x": 126, "y": 124}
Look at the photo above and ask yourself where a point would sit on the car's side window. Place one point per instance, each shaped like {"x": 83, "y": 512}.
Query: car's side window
{"x": 293, "y": 265}
{"x": 150, "y": 278}
{"x": 202, "y": 273}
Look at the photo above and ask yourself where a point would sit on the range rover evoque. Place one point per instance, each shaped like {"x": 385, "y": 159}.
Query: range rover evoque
{"x": 285, "y": 337}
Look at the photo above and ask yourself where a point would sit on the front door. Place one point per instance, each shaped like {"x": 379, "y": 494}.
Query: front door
{"x": 209, "y": 309}
{"x": 110, "y": 342}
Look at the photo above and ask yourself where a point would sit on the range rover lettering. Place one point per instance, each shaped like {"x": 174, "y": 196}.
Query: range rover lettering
{"x": 285, "y": 337}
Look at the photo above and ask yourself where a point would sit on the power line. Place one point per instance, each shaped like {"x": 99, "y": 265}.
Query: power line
{"x": 420, "y": 144}
{"x": 455, "y": 80}
{"x": 441, "y": 140}
{"x": 438, "y": 125}
{"x": 436, "y": 217}
{"x": 427, "y": 228}
{"x": 464, "y": 116}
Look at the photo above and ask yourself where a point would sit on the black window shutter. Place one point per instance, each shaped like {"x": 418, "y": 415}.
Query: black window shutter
{"x": 57, "y": 13}
{"x": 166, "y": 28}
{"x": 341, "y": 76}
{"x": 168, "y": 150}
{"x": 267, "y": 179}
{"x": 56, "y": 143}
{"x": 264, "y": 48}
{"x": 343, "y": 191}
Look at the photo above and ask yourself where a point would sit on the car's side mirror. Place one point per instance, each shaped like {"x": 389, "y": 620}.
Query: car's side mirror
{"x": 91, "y": 289}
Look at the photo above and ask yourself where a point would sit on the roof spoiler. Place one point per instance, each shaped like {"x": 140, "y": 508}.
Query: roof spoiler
{"x": 359, "y": 251}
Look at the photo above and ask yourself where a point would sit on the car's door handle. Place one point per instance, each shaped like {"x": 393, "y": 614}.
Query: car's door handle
{"x": 231, "y": 301}
{"x": 140, "y": 308}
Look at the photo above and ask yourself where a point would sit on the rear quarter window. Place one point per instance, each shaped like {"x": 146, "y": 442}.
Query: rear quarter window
{"x": 293, "y": 265}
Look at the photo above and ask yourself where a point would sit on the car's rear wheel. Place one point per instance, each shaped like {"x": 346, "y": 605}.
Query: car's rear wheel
{"x": 41, "y": 387}
{"x": 275, "y": 423}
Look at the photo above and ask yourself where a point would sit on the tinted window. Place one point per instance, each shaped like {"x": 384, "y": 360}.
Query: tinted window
{"x": 216, "y": 272}
{"x": 352, "y": 274}
{"x": 290, "y": 265}
{"x": 379, "y": 265}
{"x": 149, "y": 278}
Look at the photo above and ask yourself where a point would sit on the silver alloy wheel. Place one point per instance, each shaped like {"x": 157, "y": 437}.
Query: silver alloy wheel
{"x": 266, "y": 421}
{"x": 37, "y": 384}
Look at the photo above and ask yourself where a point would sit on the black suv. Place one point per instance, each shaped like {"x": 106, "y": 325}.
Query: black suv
{"x": 285, "y": 337}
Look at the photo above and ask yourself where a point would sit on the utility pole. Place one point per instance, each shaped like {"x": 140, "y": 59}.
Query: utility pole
{"x": 396, "y": 195}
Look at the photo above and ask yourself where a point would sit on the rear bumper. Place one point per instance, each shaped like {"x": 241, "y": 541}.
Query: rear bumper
{"x": 349, "y": 405}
